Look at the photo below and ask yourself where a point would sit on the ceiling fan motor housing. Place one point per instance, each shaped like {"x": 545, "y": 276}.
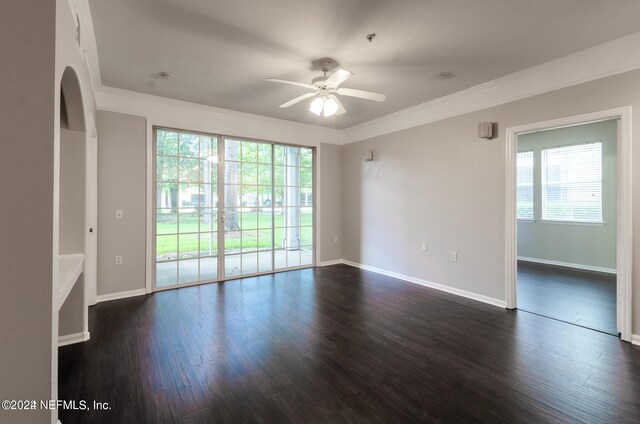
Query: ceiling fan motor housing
{"x": 319, "y": 82}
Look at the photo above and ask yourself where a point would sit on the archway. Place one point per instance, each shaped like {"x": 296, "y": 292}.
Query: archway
{"x": 72, "y": 211}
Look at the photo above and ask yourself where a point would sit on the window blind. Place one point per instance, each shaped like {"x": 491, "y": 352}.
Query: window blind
{"x": 572, "y": 183}
{"x": 524, "y": 185}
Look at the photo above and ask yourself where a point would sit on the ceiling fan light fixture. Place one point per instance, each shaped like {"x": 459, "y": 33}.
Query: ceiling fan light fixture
{"x": 317, "y": 105}
{"x": 325, "y": 91}
{"x": 330, "y": 107}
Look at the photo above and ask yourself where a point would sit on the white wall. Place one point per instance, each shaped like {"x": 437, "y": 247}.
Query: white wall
{"x": 593, "y": 246}
{"x": 441, "y": 184}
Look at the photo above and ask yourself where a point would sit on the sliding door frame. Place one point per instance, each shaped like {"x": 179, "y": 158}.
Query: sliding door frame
{"x": 151, "y": 284}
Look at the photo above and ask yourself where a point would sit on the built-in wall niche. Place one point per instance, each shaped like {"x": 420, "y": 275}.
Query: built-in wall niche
{"x": 72, "y": 208}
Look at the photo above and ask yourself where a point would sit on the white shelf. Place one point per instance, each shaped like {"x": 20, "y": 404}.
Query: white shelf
{"x": 70, "y": 267}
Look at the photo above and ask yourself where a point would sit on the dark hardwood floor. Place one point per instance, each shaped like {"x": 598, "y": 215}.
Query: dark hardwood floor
{"x": 341, "y": 345}
{"x": 579, "y": 297}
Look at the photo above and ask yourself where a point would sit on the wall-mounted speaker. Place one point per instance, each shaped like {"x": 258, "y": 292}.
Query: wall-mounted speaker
{"x": 485, "y": 130}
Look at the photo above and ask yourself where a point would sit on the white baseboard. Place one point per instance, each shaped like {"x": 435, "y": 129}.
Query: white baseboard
{"x": 73, "y": 338}
{"x": 120, "y": 295}
{"x": 334, "y": 262}
{"x": 452, "y": 290}
{"x": 635, "y": 339}
{"x": 568, "y": 265}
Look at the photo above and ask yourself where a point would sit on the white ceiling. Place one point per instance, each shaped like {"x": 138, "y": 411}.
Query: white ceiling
{"x": 220, "y": 51}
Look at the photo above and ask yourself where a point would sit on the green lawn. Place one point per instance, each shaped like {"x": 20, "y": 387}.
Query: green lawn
{"x": 255, "y": 232}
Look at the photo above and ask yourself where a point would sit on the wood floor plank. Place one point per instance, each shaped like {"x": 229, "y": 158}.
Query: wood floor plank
{"x": 580, "y": 297}
{"x": 342, "y": 345}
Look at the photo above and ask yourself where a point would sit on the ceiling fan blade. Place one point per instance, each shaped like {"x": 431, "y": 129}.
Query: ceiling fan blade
{"x": 341, "y": 109}
{"x": 297, "y": 100}
{"x": 338, "y": 77}
{"x": 301, "y": 84}
{"x": 351, "y": 92}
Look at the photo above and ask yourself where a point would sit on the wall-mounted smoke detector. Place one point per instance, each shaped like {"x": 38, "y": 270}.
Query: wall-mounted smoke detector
{"x": 443, "y": 76}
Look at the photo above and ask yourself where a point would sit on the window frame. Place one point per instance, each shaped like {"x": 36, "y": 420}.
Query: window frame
{"x": 533, "y": 187}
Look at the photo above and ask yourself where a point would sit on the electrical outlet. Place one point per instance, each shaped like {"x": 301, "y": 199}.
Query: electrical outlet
{"x": 454, "y": 256}
{"x": 424, "y": 246}
{"x": 335, "y": 239}
{"x": 119, "y": 214}
{"x": 118, "y": 260}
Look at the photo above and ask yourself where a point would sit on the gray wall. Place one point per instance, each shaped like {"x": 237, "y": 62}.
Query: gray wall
{"x": 72, "y": 221}
{"x": 121, "y": 185}
{"x": 441, "y": 184}
{"x": 590, "y": 245}
{"x": 72, "y": 191}
{"x": 71, "y": 315}
{"x": 26, "y": 228}
{"x": 331, "y": 202}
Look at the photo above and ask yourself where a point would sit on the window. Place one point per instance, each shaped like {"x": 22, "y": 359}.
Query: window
{"x": 524, "y": 185}
{"x": 572, "y": 183}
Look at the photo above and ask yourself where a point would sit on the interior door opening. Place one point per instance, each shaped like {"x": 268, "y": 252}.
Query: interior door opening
{"x": 567, "y": 214}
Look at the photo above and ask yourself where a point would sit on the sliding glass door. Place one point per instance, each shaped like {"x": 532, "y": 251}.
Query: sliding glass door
{"x": 250, "y": 201}
{"x": 186, "y": 240}
{"x": 293, "y": 210}
{"x": 248, "y": 207}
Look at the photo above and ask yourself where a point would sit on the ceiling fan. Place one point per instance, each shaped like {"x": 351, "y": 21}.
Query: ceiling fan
{"x": 326, "y": 89}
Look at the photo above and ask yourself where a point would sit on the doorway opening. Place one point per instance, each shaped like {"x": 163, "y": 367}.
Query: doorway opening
{"x": 566, "y": 212}
{"x": 227, "y": 207}
{"x": 569, "y": 220}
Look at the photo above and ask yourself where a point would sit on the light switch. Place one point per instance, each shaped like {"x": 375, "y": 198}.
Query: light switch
{"x": 119, "y": 214}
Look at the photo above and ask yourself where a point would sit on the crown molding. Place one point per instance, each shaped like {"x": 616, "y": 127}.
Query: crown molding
{"x": 180, "y": 114}
{"x": 89, "y": 44}
{"x": 611, "y": 58}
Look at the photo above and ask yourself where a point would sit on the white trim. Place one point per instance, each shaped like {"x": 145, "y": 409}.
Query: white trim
{"x": 121, "y": 295}
{"x": 333, "y": 262}
{"x": 448, "y": 289}
{"x": 585, "y": 223}
{"x": 635, "y": 339}
{"x": 73, "y": 338}
{"x": 624, "y": 253}
{"x": 70, "y": 268}
{"x": 89, "y": 45}
{"x": 607, "y": 59}
{"x": 568, "y": 265}
{"x": 150, "y": 190}
{"x": 91, "y": 214}
{"x": 317, "y": 201}
{"x": 165, "y": 112}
